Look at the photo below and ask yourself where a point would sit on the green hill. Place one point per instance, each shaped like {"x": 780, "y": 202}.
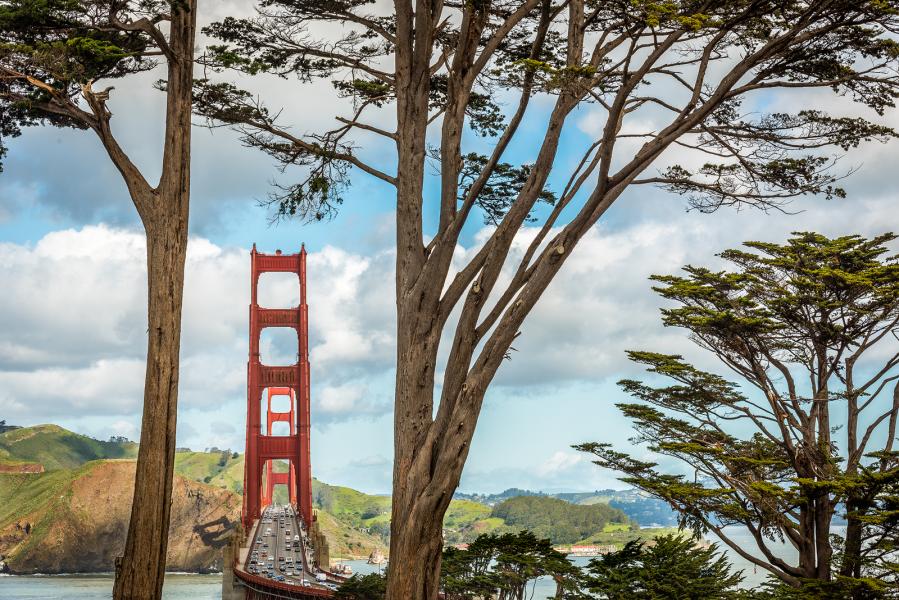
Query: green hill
{"x": 222, "y": 469}
{"x": 75, "y": 520}
{"x": 371, "y": 513}
{"x": 65, "y": 456}
{"x": 558, "y": 520}
{"x": 355, "y": 523}
{"x": 57, "y": 448}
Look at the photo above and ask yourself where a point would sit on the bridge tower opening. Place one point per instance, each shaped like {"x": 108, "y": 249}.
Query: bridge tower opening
{"x": 280, "y": 478}
{"x": 273, "y": 381}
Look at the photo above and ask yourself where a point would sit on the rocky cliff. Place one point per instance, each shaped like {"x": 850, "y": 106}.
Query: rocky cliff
{"x": 76, "y": 521}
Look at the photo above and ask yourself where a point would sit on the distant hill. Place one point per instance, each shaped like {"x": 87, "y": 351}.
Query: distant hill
{"x": 639, "y": 508}
{"x": 560, "y": 521}
{"x": 78, "y": 468}
{"x": 69, "y": 458}
{"x": 75, "y": 520}
{"x": 57, "y": 448}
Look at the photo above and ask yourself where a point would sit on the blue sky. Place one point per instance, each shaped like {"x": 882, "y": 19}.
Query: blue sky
{"x": 72, "y": 316}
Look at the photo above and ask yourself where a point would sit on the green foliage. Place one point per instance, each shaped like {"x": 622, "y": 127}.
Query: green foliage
{"x": 557, "y": 520}
{"x": 793, "y": 321}
{"x": 500, "y": 190}
{"x": 363, "y": 587}
{"x": 500, "y": 566}
{"x": 51, "y": 49}
{"x": 839, "y": 589}
{"x": 846, "y": 46}
{"x": 319, "y": 194}
{"x": 671, "y": 568}
{"x": 56, "y": 448}
{"x": 364, "y": 91}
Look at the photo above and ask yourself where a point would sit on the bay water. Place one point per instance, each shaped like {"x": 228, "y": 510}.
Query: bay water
{"x": 209, "y": 587}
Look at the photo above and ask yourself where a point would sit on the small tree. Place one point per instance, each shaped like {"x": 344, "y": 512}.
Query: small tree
{"x": 52, "y": 53}
{"x": 809, "y": 327}
{"x": 363, "y": 587}
{"x": 501, "y": 567}
{"x": 443, "y": 66}
{"x": 669, "y": 568}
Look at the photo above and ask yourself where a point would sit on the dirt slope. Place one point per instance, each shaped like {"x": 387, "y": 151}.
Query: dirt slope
{"x": 79, "y": 524}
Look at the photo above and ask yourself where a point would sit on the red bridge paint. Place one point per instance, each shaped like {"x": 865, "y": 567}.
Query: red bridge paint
{"x": 260, "y": 588}
{"x": 285, "y": 380}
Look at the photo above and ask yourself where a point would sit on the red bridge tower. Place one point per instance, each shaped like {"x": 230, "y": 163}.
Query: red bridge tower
{"x": 291, "y": 381}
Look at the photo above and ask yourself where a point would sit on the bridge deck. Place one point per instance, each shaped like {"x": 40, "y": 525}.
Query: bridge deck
{"x": 259, "y": 565}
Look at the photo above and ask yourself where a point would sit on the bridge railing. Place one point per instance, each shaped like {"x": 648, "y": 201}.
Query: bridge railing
{"x": 269, "y": 588}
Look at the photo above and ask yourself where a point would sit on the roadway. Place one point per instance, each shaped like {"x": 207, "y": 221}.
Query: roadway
{"x": 275, "y": 552}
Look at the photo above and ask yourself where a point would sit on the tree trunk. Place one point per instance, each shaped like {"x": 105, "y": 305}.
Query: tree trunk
{"x": 824, "y": 550}
{"x": 140, "y": 573}
{"x": 851, "y": 563}
{"x": 416, "y": 535}
{"x": 415, "y": 552}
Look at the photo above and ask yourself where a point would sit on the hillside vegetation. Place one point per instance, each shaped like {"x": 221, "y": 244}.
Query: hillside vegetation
{"x": 354, "y": 523}
{"x": 75, "y": 520}
{"x": 222, "y": 469}
{"x": 57, "y": 448}
{"x": 32, "y": 499}
{"x": 640, "y": 509}
{"x": 560, "y": 521}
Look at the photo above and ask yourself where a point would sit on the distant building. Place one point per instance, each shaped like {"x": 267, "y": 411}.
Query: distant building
{"x": 22, "y": 468}
{"x": 593, "y": 550}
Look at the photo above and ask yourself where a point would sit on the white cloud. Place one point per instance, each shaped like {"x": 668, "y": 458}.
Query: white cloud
{"x": 73, "y": 326}
{"x": 347, "y": 401}
{"x": 559, "y": 462}
{"x": 125, "y": 428}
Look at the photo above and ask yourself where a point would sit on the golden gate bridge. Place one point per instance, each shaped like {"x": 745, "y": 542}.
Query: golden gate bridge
{"x": 279, "y": 551}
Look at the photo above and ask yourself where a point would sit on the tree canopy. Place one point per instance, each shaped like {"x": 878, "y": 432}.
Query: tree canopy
{"x": 668, "y": 568}
{"x": 416, "y": 84}
{"x": 502, "y": 566}
{"x": 52, "y": 53}
{"x": 363, "y": 587}
{"x": 808, "y": 329}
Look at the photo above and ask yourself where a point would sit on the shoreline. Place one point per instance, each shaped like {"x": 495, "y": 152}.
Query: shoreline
{"x": 101, "y": 574}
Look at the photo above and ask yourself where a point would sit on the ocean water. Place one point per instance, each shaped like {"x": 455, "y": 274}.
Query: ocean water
{"x": 177, "y": 587}
{"x": 99, "y": 587}
{"x": 209, "y": 587}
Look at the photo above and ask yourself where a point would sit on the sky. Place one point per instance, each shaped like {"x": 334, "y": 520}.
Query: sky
{"x": 73, "y": 300}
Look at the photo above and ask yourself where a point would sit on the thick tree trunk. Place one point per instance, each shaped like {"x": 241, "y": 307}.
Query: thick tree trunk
{"x": 416, "y": 534}
{"x": 823, "y": 548}
{"x": 139, "y": 575}
{"x": 851, "y": 563}
{"x": 415, "y": 554}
